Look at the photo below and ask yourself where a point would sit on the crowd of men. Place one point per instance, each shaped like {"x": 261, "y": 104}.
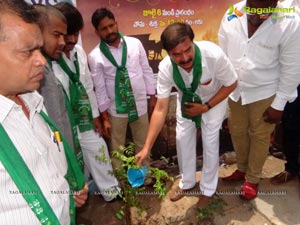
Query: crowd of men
{"x": 58, "y": 102}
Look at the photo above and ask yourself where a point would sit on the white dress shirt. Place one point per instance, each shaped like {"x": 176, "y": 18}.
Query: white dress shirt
{"x": 34, "y": 141}
{"x": 289, "y": 3}
{"x": 216, "y": 72}
{"x": 104, "y": 73}
{"x": 267, "y": 63}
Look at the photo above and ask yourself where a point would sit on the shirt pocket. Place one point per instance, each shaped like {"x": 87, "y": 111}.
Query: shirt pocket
{"x": 206, "y": 88}
{"x": 265, "y": 54}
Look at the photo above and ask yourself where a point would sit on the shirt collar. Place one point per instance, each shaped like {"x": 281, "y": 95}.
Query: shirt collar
{"x": 33, "y": 100}
{"x": 72, "y": 54}
{"x": 120, "y": 45}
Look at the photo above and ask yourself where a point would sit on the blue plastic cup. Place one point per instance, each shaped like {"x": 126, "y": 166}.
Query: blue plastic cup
{"x": 136, "y": 177}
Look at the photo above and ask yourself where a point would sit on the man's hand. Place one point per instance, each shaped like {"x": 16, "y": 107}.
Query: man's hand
{"x": 272, "y": 115}
{"x": 141, "y": 156}
{"x": 106, "y": 128}
{"x": 81, "y": 196}
{"x": 98, "y": 126}
{"x": 152, "y": 103}
{"x": 194, "y": 109}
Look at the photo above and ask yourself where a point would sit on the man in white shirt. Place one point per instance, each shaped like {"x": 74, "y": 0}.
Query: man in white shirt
{"x": 290, "y": 131}
{"x": 122, "y": 79}
{"x": 204, "y": 78}
{"x": 33, "y": 165}
{"x": 264, "y": 49}
{"x": 93, "y": 145}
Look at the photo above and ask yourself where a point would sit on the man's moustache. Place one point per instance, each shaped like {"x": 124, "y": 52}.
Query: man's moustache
{"x": 109, "y": 35}
{"x": 185, "y": 62}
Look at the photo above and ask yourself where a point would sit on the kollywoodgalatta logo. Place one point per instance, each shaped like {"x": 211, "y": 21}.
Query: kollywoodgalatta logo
{"x": 233, "y": 13}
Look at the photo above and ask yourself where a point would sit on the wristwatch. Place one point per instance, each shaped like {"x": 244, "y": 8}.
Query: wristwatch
{"x": 208, "y": 105}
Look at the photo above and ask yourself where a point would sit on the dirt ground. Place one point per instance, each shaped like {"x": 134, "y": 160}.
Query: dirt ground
{"x": 182, "y": 212}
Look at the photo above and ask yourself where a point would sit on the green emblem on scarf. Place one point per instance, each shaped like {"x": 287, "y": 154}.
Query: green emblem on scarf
{"x": 77, "y": 150}
{"x": 125, "y": 102}
{"x": 79, "y": 98}
{"x": 188, "y": 94}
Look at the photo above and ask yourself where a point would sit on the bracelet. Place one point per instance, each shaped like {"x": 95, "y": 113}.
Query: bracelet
{"x": 104, "y": 116}
{"x": 208, "y": 105}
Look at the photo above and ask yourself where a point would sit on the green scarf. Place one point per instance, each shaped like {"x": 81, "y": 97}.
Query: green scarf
{"x": 77, "y": 150}
{"x": 25, "y": 182}
{"x": 188, "y": 94}
{"x": 125, "y": 102}
{"x": 79, "y": 98}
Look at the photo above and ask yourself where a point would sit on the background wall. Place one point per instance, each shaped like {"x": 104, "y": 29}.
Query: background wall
{"x": 146, "y": 19}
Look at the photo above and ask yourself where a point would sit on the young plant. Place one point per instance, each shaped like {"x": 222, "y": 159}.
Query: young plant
{"x": 130, "y": 194}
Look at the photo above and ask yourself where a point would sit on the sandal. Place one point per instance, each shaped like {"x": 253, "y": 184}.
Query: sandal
{"x": 282, "y": 178}
{"x": 178, "y": 193}
{"x": 249, "y": 190}
{"x": 235, "y": 176}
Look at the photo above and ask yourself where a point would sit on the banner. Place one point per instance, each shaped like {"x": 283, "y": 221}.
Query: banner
{"x": 146, "y": 19}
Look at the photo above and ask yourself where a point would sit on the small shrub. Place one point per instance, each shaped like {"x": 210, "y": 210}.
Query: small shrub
{"x": 129, "y": 194}
{"x": 216, "y": 206}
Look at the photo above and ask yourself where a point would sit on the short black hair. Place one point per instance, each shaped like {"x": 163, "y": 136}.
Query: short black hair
{"x": 20, "y": 8}
{"x": 45, "y": 13}
{"x": 175, "y": 34}
{"x": 100, "y": 14}
{"x": 73, "y": 17}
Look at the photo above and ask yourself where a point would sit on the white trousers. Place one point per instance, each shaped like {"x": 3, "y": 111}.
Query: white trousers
{"x": 186, "y": 134}
{"x": 93, "y": 148}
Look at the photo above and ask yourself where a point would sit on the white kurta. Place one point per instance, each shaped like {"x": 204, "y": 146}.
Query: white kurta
{"x": 91, "y": 143}
{"x": 216, "y": 71}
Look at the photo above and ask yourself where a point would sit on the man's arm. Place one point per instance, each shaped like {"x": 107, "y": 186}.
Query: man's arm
{"x": 195, "y": 109}
{"x": 147, "y": 71}
{"x": 222, "y": 38}
{"x": 156, "y": 123}
{"x": 152, "y": 103}
{"x": 99, "y": 82}
{"x": 289, "y": 73}
{"x": 106, "y": 124}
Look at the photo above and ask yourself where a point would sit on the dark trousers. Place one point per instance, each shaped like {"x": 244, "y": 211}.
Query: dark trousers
{"x": 291, "y": 135}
